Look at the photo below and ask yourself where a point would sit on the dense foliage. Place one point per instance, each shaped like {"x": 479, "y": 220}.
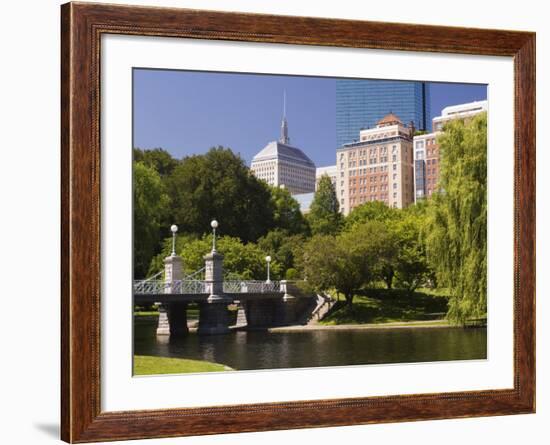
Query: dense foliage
{"x": 440, "y": 242}
{"x": 150, "y": 208}
{"x": 219, "y": 185}
{"x": 457, "y": 234}
{"x": 324, "y": 214}
{"x": 199, "y": 188}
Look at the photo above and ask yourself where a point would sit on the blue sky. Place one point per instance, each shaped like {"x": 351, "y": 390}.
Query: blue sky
{"x": 187, "y": 112}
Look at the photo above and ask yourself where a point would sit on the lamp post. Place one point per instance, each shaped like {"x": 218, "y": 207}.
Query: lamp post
{"x": 268, "y": 260}
{"x": 174, "y": 230}
{"x": 214, "y": 225}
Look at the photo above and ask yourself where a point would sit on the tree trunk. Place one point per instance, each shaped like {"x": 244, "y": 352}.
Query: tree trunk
{"x": 389, "y": 279}
{"x": 349, "y": 300}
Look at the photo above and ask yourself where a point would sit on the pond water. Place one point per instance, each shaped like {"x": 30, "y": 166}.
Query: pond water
{"x": 268, "y": 350}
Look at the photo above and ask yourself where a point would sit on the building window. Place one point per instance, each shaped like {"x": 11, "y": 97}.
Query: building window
{"x": 395, "y": 166}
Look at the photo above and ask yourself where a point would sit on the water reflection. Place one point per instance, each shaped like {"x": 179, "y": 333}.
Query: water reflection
{"x": 263, "y": 350}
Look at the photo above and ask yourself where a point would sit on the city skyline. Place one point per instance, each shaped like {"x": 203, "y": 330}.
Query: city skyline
{"x": 187, "y": 112}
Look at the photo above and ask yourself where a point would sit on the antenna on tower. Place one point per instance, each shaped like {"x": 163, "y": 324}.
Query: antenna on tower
{"x": 284, "y": 139}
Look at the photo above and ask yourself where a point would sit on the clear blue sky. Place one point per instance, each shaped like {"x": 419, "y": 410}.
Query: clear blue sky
{"x": 187, "y": 112}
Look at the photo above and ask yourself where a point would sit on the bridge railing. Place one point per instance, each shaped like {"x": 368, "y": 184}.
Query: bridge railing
{"x": 189, "y": 287}
{"x": 153, "y": 287}
{"x": 251, "y": 287}
{"x": 150, "y": 286}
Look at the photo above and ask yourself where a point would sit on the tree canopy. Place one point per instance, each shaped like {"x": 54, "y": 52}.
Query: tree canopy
{"x": 346, "y": 262}
{"x": 157, "y": 159}
{"x": 371, "y": 211}
{"x": 150, "y": 207}
{"x": 284, "y": 248}
{"x": 219, "y": 185}
{"x": 324, "y": 214}
{"x": 441, "y": 241}
{"x": 286, "y": 212}
{"x": 457, "y": 225}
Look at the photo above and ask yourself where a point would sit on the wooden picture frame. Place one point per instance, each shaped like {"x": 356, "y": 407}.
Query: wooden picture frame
{"x": 82, "y": 26}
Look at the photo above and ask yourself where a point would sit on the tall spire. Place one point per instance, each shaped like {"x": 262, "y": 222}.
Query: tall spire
{"x": 284, "y": 139}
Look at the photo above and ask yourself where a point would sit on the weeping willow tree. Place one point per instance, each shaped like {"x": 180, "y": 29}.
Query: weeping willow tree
{"x": 457, "y": 223}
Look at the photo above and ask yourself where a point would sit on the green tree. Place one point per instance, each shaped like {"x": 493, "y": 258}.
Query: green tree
{"x": 150, "y": 207}
{"x": 219, "y": 185}
{"x": 411, "y": 265}
{"x": 379, "y": 211}
{"x": 241, "y": 261}
{"x": 380, "y": 243}
{"x": 287, "y": 215}
{"x": 283, "y": 247}
{"x": 371, "y": 211}
{"x": 346, "y": 262}
{"x": 457, "y": 230}
{"x": 158, "y": 159}
{"x": 324, "y": 215}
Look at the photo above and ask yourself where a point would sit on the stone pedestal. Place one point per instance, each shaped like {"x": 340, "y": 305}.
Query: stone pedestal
{"x": 173, "y": 272}
{"x": 213, "y": 275}
{"x": 214, "y": 316}
{"x": 241, "y": 315}
{"x": 163, "y": 326}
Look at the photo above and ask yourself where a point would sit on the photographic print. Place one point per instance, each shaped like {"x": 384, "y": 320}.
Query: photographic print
{"x": 292, "y": 210}
{"x": 294, "y": 221}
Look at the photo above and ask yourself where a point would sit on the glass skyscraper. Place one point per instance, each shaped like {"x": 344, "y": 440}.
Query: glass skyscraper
{"x": 361, "y": 103}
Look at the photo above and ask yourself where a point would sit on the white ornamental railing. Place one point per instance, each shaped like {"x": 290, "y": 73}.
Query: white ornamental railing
{"x": 154, "y": 287}
{"x": 251, "y": 287}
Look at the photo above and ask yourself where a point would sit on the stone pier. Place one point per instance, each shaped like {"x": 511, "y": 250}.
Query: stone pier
{"x": 173, "y": 319}
{"x": 214, "y": 315}
{"x": 265, "y": 313}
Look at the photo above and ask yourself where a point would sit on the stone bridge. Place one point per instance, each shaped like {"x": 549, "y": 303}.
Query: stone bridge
{"x": 261, "y": 304}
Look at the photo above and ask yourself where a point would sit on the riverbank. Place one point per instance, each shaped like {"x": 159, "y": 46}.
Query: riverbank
{"x": 385, "y": 306}
{"x": 372, "y": 309}
{"x": 365, "y": 326}
{"x": 152, "y": 365}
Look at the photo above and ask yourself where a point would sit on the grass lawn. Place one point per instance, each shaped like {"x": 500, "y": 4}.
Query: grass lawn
{"x": 148, "y": 365}
{"x": 389, "y": 306}
{"x": 146, "y": 313}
